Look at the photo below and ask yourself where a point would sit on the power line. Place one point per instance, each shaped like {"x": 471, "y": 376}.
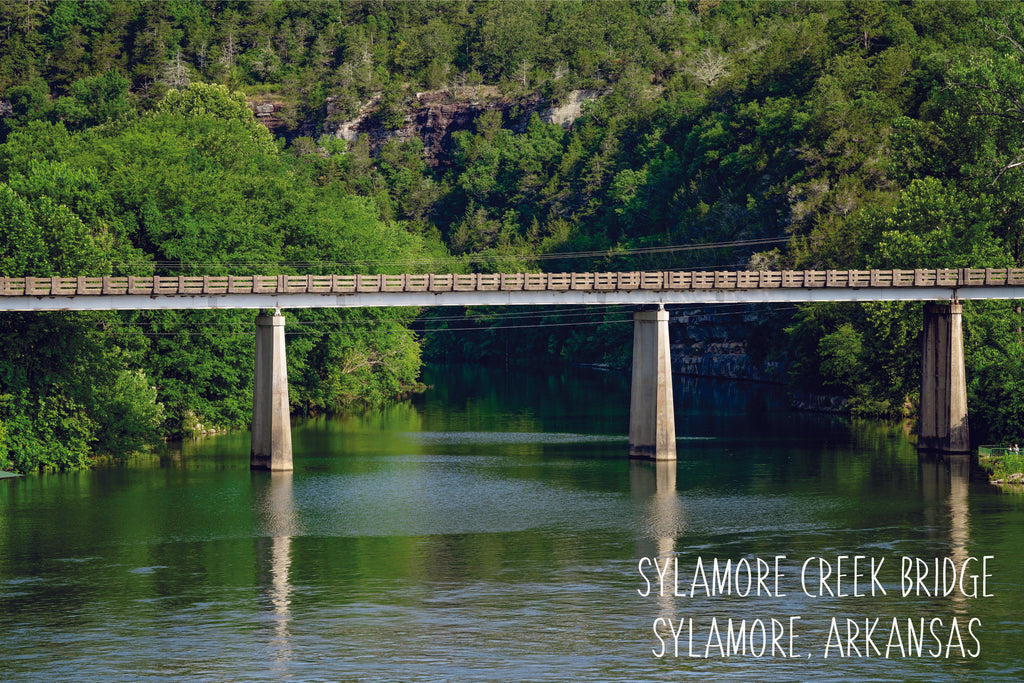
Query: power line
{"x": 480, "y": 327}
{"x": 563, "y": 311}
{"x": 558, "y": 312}
{"x": 468, "y": 258}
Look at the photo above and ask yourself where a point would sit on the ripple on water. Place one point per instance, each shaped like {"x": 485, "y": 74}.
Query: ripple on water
{"x": 445, "y": 500}
{"x": 498, "y": 438}
{"x": 509, "y": 437}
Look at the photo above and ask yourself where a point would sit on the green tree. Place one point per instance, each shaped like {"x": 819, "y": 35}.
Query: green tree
{"x": 201, "y": 100}
{"x": 841, "y": 354}
{"x": 95, "y": 100}
{"x": 29, "y": 102}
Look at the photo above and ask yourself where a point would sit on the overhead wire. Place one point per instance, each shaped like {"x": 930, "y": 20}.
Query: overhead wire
{"x": 559, "y": 321}
{"x": 428, "y": 324}
{"x": 517, "y": 312}
{"x": 468, "y": 258}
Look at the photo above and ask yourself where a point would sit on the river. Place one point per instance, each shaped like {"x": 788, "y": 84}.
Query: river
{"x": 492, "y": 529}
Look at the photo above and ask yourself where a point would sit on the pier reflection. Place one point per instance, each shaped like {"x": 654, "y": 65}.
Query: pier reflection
{"x": 661, "y": 515}
{"x": 275, "y": 507}
{"x": 945, "y": 482}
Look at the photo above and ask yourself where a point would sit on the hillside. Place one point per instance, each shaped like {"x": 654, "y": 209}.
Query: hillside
{"x": 701, "y": 134}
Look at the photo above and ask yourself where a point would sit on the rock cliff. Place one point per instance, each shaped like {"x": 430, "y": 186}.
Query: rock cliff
{"x": 431, "y": 116}
{"x": 713, "y": 343}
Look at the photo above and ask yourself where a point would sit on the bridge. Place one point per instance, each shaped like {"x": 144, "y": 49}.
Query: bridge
{"x": 499, "y": 289}
{"x": 943, "y": 419}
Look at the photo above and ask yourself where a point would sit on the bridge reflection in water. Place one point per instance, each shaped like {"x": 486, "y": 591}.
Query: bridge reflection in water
{"x": 275, "y": 504}
{"x": 662, "y": 516}
{"x": 945, "y": 482}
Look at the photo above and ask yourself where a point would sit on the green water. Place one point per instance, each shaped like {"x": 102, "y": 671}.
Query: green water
{"x": 492, "y": 529}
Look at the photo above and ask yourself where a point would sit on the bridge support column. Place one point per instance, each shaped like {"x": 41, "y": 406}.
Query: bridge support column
{"x": 271, "y": 426}
{"x": 943, "y": 420}
{"x": 652, "y": 425}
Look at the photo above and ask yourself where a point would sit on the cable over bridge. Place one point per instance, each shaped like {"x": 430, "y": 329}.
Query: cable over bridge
{"x": 483, "y": 289}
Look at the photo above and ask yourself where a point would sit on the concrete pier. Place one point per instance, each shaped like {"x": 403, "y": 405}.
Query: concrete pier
{"x": 652, "y": 425}
{"x": 271, "y": 426}
{"x": 943, "y": 421}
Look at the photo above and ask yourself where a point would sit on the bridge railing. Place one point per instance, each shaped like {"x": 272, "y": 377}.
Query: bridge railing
{"x": 185, "y": 285}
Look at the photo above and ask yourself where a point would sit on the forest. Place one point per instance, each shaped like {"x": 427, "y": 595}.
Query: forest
{"x": 752, "y": 135}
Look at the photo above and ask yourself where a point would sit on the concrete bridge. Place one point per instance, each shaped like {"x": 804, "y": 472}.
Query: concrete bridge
{"x": 943, "y": 420}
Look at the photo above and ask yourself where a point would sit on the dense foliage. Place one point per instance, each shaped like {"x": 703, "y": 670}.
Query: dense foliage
{"x": 857, "y": 134}
{"x": 195, "y": 186}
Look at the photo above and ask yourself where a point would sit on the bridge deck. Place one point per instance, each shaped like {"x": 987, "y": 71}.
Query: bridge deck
{"x": 480, "y": 289}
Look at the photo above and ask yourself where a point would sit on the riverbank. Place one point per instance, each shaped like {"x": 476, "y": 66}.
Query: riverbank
{"x": 1004, "y": 466}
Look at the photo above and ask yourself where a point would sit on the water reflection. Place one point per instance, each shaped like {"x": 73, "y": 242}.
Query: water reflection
{"x": 275, "y": 507}
{"x": 662, "y": 517}
{"x": 392, "y": 558}
{"x": 945, "y": 483}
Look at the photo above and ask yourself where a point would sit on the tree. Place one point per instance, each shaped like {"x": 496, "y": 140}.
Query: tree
{"x": 95, "y": 100}
{"x": 709, "y": 66}
{"x": 216, "y": 101}
{"x": 29, "y": 102}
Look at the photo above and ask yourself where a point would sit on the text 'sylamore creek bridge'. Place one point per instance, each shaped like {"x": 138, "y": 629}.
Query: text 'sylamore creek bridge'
{"x": 943, "y": 411}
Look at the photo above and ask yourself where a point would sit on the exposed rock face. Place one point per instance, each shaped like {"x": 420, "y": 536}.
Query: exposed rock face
{"x": 715, "y": 343}
{"x": 567, "y": 112}
{"x": 349, "y": 130}
{"x": 437, "y": 115}
{"x": 727, "y": 359}
{"x": 269, "y": 114}
{"x": 818, "y": 403}
{"x": 709, "y": 344}
{"x": 434, "y": 116}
